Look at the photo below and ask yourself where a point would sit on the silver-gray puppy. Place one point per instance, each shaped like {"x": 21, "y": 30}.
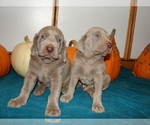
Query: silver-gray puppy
{"x": 89, "y": 68}
{"x": 48, "y": 65}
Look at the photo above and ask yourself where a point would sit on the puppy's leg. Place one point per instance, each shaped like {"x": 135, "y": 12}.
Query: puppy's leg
{"x": 40, "y": 90}
{"x": 97, "y": 104}
{"x": 52, "y": 105}
{"x": 29, "y": 83}
{"x": 64, "y": 89}
{"x": 90, "y": 91}
{"x": 107, "y": 80}
{"x": 65, "y": 86}
{"x": 69, "y": 95}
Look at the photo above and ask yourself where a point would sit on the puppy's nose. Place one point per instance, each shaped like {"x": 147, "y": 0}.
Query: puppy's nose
{"x": 49, "y": 49}
{"x": 109, "y": 45}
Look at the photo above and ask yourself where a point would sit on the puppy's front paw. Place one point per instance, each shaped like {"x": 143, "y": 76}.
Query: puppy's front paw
{"x": 65, "y": 98}
{"x": 98, "y": 108}
{"x": 52, "y": 112}
{"x": 17, "y": 102}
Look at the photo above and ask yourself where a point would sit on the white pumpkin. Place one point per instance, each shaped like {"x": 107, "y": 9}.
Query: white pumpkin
{"x": 20, "y": 57}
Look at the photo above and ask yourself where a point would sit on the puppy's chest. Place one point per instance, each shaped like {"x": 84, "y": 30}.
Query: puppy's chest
{"x": 44, "y": 76}
{"x": 87, "y": 67}
{"x": 86, "y": 71}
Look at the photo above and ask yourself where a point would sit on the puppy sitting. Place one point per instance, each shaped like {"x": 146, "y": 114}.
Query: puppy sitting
{"x": 49, "y": 66}
{"x": 89, "y": 67}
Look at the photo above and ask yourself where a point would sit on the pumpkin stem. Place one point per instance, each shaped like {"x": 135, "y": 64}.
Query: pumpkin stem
{"x": 73, "y": 42}
{"x": 26, "y": 38}
{"x": 113, "y": 32}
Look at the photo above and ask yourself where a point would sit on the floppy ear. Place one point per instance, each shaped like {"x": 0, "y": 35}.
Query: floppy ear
{"x": 81, "y": 44}
{"x": 35, "y": 44}
{"x": 35, "y": 38}
{"x": 64, "y": 51}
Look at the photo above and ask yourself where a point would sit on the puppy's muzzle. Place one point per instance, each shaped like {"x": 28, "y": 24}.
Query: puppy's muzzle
{"x": 48, "y": 52}
{"x": 49, "y": 49}
{"x": 103, "y": 51}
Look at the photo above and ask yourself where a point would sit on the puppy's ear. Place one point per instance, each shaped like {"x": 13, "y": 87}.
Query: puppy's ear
{"x": 64, "y": 51}
{"x": 81, "y": 44}
{"x": 35, "y": 38}
{"x": 113, "y": 32}
{"x": 35, "y": 44}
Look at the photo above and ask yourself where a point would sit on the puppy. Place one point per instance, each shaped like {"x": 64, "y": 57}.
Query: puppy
{"x": 89, "y": 67}
{"x": 49, "y": 66}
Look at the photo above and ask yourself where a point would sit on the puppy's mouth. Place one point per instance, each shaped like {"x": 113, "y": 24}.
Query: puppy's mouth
{"x": 48, "y": 58}
{"x": 99, "y": 53}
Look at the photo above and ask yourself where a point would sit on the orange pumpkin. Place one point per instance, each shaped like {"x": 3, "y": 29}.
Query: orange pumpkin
{"x": 112, "y": 60}
{"x": 142, "y": 64}
{"x": 71, "y": 51}
{"x": 4, "y": 61}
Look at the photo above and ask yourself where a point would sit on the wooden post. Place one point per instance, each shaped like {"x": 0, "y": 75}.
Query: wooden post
{"x": 130, "y": 31}
{"x": 55, "y": 13}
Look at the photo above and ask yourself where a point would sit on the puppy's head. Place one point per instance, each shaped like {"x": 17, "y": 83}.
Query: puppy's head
{"x": 50, "y": 44}
{"x": 96, "y": 40}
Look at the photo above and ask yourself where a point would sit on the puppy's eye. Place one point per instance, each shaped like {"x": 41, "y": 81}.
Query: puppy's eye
{"x": 43, "y": 37}
{"x": 97, "y": 35}
{"x": 58, "y": 40}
